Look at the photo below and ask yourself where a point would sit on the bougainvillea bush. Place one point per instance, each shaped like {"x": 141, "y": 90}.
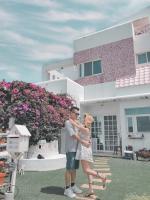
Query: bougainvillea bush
{"x": 41, "y": 111}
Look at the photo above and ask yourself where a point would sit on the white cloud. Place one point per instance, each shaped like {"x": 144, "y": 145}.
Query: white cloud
{"x": 6, "y": 18}
{"x": 42, "y": 3}
{"x": 68, "y": 16}
{"x": 94, "y": 2}
{"x": 45, "y": 52}
{"x": 68, "y": 34}
{"x": 3, "y": 67}
{"x": 36, "y": 68}
{"x": 10, "y": 71}
{"x": 17, "y": 38}
{"x": 13, "y": 75}
{"x": 99, "y": 3}
{"x": 132, "y": 4}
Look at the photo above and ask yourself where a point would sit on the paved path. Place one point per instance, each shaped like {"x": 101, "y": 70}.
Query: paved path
{"x": 100, "y": 164}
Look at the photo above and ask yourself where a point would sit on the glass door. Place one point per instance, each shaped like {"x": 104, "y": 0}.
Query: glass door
{"x": 110, "y": 132}
{"x": 97, "y": 134}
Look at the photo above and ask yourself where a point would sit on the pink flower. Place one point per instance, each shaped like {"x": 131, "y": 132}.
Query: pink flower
{"x": 26, "y": 91}
{"x": 21, "y": 84}
{"x": 25, "y": 107}
{"x": 7, "y": 85}
{"x": 15, "y": 91}
{"x": 51, "y": 108}
{"x": 33, "y": 86}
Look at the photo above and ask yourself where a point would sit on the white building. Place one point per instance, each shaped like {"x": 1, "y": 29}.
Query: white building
{"x": 109, "y": 76}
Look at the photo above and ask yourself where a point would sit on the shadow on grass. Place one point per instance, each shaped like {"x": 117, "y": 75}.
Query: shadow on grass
{"x": 53, "y": 190}
{"x": 56, "y": 190}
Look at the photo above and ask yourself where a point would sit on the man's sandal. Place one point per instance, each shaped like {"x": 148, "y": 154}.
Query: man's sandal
{"x": 99, "y": 175}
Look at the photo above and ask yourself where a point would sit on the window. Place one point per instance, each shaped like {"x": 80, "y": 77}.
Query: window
{"x": 97, "y": 67}
{"x": 148, "y": 56}
{"x": 130, "y": 124}
{"x": 80, "y": 70}
{"x": 138, "y": 119}
{"x": 143, "y": 124}
{"x": 90, "y": 68}
{"x": 143, "y": 58}
{"x": 137, "y": 111}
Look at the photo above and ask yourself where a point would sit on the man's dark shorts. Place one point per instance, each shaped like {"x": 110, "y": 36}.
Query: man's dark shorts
{"x": 71, "y": 163}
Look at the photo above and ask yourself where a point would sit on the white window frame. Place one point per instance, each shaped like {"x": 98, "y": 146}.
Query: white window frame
{"x": 82, "y": 68}
{"x": 135, "y": 123}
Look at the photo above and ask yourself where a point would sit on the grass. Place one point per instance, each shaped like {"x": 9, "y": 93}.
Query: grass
{"x": 130, "y": 181}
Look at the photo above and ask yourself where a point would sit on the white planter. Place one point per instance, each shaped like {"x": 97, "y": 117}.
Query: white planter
{"x": 43, "y": 148}
{"x": 52, "y": 159}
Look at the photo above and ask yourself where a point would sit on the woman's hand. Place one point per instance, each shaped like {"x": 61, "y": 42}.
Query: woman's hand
{"x": 74, "y": 123}
{"x": 86, "y": 143}
{"x": 80, "y": 126}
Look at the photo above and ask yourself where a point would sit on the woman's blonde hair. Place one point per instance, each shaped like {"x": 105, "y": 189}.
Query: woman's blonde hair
{"x": 88, "y": 119}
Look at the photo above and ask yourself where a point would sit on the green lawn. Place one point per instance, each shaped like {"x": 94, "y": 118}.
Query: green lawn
{"x": 130, "y": 181}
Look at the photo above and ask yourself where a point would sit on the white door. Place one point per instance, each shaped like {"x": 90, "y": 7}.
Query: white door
{"x": 110, "y": 132}
{"x": 104, "y": 133}
{"x": 97, "y": 134}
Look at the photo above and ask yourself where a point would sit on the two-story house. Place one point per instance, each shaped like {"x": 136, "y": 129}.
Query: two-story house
{"x": 109, "y": 76}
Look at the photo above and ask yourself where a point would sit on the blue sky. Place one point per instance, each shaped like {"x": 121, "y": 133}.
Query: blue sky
{"x": 35, "y": 32}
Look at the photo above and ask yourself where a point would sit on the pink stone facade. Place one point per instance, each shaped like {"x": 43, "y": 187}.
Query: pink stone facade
{"x": 117, "y": 61}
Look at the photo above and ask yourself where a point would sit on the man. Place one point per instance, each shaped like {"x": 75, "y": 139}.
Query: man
{"x": 72, "y": 164}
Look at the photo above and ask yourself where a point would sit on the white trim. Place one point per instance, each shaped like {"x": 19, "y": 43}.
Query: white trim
{"x": 114, "y": 98}
{"x": 61, "y": 79}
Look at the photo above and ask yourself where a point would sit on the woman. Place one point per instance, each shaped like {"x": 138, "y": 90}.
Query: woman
{"x": 84, "y": 154}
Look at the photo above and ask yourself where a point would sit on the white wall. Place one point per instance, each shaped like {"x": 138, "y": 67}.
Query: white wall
{"x": 106, "y": 36}
{"x": 71, "y": 72}
{"x": 117, "y": 108}
{"x": 136, "y": 143}
{"x": 75, "y": 90}
{"x": 60, "y": 65}
{"x": 102, "y": 90}
{"x": 54, "y": 75}
{"x": 65, "y": 86}
{"x": 56, "y": 86}
{"x": 108, "y": 90}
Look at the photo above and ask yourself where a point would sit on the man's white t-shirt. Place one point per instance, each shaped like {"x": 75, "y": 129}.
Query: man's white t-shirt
{"x": 70, "y": 142}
